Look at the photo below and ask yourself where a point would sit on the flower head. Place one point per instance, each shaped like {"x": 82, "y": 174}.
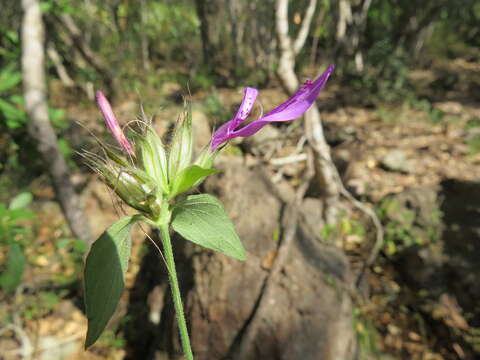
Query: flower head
{"x": 154, "y": 172}
{"x": 112, "y": 123}
{"x": 291, "y": 109}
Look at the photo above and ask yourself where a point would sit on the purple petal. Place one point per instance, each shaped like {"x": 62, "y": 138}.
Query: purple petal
{"x": 224, "y": 132}
{"x": 112, "y": 123}
{"x": 300, "y": 101}
{"x": 291, "y": 109}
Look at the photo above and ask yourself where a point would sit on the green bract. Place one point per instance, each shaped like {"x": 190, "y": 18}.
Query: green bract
{"x": 143, "y": 178}
{"x": 154, "y": 158}
{"x": 181, "y": 147}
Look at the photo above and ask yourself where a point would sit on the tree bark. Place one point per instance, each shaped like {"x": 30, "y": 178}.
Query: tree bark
{"x": 203, "y": 8}
{"x": 39, "y": 126}
{"x": 324, "y": 171}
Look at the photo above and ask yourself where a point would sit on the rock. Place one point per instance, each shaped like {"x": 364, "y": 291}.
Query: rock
{"x": 461, "y": 236}
{"x": 56, "y": 348}
{"x": 173, "y": 91}
{"x": 445, "y": 267}
{"x": 9, "y": 347}
{"x": 315, "y": 325}
{"x": 421, "y": 267}
{"x": 396, "y": 160}
{"x": 169, "y": 87}
{"x": 309, "y": 315}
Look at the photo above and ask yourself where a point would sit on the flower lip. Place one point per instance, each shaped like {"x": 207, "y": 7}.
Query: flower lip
{"x": 224, "y": 132}
{"x": 291, "y": 109}
{"x": 112, "y": 123}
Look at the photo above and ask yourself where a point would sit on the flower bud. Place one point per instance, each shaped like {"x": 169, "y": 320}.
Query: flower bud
{"x": 153, "y": 158}
{"x": 112, "y": 123}
{"x": 181, "y": 146}
{"x": 134, "y": 187}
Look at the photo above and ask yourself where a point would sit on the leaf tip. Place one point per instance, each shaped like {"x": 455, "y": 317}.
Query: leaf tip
{"x": 90, "y": 339}
{"x": 242, "y": 255}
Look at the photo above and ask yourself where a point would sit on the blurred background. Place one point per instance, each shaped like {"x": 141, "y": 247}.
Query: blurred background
{"x": 401, "y": 115}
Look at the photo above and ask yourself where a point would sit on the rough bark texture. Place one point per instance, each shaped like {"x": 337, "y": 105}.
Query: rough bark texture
{"x": 307, "y": 316}
{"x": 39, "y": 126}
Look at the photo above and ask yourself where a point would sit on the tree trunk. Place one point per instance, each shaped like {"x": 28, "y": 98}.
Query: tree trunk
{"x": 39, "y": 126}
{"x": 207, "y": 47}
{"x": 324, "y": 171}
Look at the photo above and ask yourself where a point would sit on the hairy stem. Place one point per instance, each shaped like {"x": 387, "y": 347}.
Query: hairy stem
{"x": 177, "y": 299}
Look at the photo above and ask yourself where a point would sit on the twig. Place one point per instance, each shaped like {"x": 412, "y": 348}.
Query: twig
{"x": 26, "y": 347}
{"x": 305, "y": 27}
{"x": 288, "y": 159}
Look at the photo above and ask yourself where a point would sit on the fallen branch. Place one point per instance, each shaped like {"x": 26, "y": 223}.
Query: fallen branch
{"x": 288, "y": 159}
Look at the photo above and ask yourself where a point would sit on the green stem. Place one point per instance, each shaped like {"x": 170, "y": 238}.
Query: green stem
{"x": 177, "y": 299}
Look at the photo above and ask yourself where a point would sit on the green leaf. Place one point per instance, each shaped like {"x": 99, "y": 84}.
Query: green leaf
{"x": 12, "y": 276}
{"x": 21, "y": 201}
{"x": 8, "y": 80}
{"x": 188, "y": 177}
{"x": 15, "y": 117}
{"x": 105, "y": 268}
{"x": 202, "y": 220}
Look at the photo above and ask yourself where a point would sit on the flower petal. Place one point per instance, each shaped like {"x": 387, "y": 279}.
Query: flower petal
{"x": 224, "y": 132}
{"x": 300, "y": 101}
{"x": 291, "y": 109}
{"x": 112, "y": 123}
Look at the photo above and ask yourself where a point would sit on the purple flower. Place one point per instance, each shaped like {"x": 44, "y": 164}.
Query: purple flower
{"x": 289, "y": 110}
{"x": 112, "y": 123}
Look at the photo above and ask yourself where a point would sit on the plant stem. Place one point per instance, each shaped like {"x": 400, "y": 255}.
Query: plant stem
{"x": 177, "y": 299}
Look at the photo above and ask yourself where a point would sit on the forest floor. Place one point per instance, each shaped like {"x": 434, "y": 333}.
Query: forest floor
{"x": 383, "y": 151}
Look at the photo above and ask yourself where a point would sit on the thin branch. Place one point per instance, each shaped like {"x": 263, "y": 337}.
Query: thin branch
{"x": 305, "y": 27}
{"x": 26, "y": 346}
{"x": 59, "y": 67}
{"x": 286, "y": 63}
{"x": 288, "y": 159}
{"x": 281, "y": 22}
